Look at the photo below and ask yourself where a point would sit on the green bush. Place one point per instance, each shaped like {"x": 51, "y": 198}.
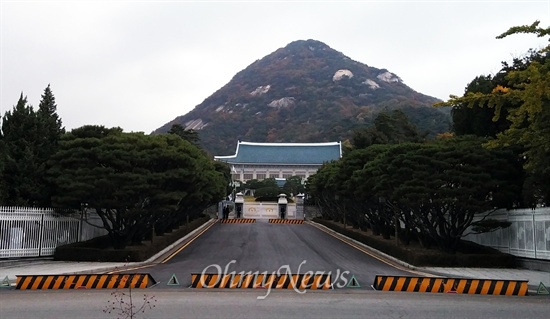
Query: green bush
{"x": 266, "y": 199}
{"x": 99, "y": 249}
{"x": 271, "y": 192}
{"x": 469, "y": 255}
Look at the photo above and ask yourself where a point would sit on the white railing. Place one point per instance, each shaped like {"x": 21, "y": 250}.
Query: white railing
{"x": 528, "y": 235}
{"x": 34, "y": 232}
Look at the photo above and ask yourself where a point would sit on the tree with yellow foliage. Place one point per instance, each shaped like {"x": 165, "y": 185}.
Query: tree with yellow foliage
{"x": 528, "y": 92}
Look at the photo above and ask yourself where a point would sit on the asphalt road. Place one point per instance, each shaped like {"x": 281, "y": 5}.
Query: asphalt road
{"x": 268, "y": 247}
{"x": 243, "y": 304}
{"x": 265, "y": 247}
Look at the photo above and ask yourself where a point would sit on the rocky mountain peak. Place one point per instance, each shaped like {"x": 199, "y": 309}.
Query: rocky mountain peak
{"x": 304, "y": 92}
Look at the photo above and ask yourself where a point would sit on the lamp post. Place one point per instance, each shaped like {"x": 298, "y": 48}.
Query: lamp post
{"x": 83, "y": 207}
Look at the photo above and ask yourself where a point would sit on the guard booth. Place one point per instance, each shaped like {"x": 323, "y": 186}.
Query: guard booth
{"x": 282, "y": 206}
{"x": 239, "y": 205}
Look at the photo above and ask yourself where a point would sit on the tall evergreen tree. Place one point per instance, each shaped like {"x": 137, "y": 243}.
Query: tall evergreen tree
{"x": 49, "y": 124}
{"x": 20, "y": 130}
{"x": 50, "y": 131}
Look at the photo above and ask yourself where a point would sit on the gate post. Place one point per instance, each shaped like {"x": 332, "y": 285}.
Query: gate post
{"x": 239, "y": 205}
{"x": 281, "y": 205}
{"x": 300, "y": 207}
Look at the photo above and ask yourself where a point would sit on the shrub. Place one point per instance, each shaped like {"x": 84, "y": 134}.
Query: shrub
{"x": 99, "y": 249}
{"x": 270, "y": 192}
{"x": 469, "y": 254}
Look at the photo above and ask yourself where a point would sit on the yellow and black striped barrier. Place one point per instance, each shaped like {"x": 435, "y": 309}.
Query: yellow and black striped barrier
{"x": 238, "y": 221}
{"x": 286, "y": 221}
{"x": 261, "y": 280}
{"x": 39, "y": 282}
{"x": 451, "y": 285}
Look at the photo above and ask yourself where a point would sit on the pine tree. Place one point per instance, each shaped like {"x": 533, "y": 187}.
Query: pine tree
{"x": 27, "y": 142}
{"x": 20, "y": 130}
{"x": 50, "y": 131}
{"x": 50, "y": 124}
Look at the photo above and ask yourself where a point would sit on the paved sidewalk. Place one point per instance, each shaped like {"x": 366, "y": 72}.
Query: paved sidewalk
{"x": 51, "y": 267}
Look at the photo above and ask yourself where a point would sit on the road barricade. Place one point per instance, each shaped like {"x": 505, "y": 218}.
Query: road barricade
{"x": 451, "y": 285}
{"x": 84, "y": 281}
{"x": 237, "y": 221}
{"x": 261, "y": 280}
{"x": 286, "y": 221}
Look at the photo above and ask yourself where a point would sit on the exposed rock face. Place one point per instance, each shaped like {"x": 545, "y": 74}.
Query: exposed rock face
{"x": 260, "y": 90}
{"x": 371, "y": 84}
{"x": 388, "y": 77}
{"x": 340, "y": 74}
{"x": 284, "y": 102}
{"x": 196, "y": 125}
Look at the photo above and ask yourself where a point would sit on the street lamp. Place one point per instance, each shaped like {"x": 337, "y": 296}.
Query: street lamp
{"x": 83, "y": 207}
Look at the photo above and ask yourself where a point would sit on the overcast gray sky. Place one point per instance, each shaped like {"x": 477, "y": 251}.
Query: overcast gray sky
{"x": 140, "y": 64}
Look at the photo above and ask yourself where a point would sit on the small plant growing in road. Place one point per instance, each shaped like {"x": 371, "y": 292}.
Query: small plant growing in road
{"x": 125, "y": 307}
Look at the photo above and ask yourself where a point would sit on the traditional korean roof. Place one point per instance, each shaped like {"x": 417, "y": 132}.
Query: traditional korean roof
{"x": 284, "y": 153}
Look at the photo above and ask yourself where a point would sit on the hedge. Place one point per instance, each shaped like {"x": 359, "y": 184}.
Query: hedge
{"x": 99, "y": 249}
{"x": 471, "y": 255}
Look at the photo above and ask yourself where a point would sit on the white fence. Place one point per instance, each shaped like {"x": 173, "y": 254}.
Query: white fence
{"x": 34, "y": 232}
{"x": 528, "y": 236}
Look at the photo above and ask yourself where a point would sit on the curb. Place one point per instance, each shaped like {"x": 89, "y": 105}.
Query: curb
{"x": 532, "y": 289}
{"x": 28, "y": 260}
{"x": 158, "y": 255}
{"x": 375, "y": 251}
{"x": 179, "y": 241}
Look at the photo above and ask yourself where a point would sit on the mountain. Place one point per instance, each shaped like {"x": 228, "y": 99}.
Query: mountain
{"x": 304, "y": 92}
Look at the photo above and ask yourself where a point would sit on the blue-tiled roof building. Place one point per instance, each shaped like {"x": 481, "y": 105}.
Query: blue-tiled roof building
{"x": 279, "y": 160}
